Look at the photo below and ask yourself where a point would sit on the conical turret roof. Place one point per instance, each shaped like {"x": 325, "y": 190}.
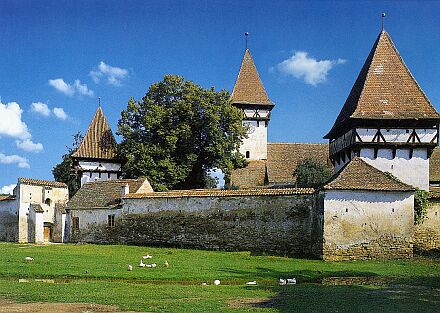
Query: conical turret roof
{"x": 384, "y": 89}
{"x": 99, "y": 142}
{"x": 248, "y": 87}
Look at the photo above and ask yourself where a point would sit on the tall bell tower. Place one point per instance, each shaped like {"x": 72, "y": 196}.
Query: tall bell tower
{"x": 387, "y": 120}
{"x": 250, "y": 96}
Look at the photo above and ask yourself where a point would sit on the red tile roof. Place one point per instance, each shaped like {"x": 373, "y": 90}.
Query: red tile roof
{"x": 384, "y": 89}
{"x": 359, "y": 175}
{"x": 99, "y": 142}
{"x": 254, "y": 174}
{"x": 248, "y": 87}
{"x": 283, "y": 158}
{"x": 40, "y": 182}
{"x": 222, "y": 193}
{"x": 104, "y": 193}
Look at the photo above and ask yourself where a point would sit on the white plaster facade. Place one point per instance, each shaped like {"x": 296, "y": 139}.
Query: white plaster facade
{"x": 255, "y": 146}
{"x": 22, "y": 222}
{"x": 94, "y": 170}
{"x": 353, "y": 218}
{"x": 409, "y": 163}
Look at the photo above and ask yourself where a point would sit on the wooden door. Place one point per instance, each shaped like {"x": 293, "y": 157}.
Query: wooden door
{"x": 47, "y": 233}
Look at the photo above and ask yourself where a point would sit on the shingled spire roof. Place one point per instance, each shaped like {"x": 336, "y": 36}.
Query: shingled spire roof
{"x": 384, "y": 89}
{"x": 248, "y": 87}
{"x": 99, "y": 142}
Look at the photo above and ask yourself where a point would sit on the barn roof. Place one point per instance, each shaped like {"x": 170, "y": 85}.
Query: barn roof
{"x": 359, "y": 175}
{"x": 248, "y": 87}
{"x": 384, "y": 89}
{"x": 99, "y": 142}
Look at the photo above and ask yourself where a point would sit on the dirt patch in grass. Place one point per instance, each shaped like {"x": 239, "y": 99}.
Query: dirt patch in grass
{"x": 252, "y": 303}
{"x": 43, "y": 307}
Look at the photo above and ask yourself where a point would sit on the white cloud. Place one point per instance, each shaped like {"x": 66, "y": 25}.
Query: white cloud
{"x": 301, "y": 66}
{"x": 14, "y": 159}
{"x": 8, "y": 189}
{"x": 59, "y": 113}
{"x": 29, "y": 146}
{"x": 60, "y": 85}
{"x": 112, "y": 74}
{"x": 40, "y": 108}
{"x": 71, "y": 89}
{"x": 82, "y": 89}
{"x": 43, "y": 109}
{"x": 11, "y": 123}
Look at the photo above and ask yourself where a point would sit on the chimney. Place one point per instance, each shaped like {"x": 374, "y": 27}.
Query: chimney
{"x": 125, "y": 190}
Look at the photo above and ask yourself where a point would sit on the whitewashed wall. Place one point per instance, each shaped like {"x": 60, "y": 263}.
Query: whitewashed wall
{"x": 256, "y": 143}
{"x": 93, "y": 217}
{"x": 356, "y": 218}
{"x": 413, "y": 171}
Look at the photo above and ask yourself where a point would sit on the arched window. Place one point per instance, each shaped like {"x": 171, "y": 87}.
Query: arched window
{"x": 48, "y": 202}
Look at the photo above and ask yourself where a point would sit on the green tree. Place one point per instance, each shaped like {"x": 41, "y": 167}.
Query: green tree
{"x": 64, "y": 171}
{"x": 311, "y": 173}
{"x": 178, "y": 132}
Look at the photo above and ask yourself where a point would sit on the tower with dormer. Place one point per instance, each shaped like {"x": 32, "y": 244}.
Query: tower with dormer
{"x": 250, "y": 96}
{"x": 96, "y": 157}
{"x": 387, "y": 120}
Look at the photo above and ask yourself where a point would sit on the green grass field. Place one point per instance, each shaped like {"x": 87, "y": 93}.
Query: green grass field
{"x": 98, "y": 274}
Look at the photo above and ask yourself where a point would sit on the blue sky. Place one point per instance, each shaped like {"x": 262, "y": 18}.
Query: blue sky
{"x": 57, "y": 57}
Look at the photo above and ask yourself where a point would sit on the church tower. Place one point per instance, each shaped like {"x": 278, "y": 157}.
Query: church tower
{"x": 387, "y": 120}
{"x": 96, "y": 157}
{"x": 250, "y": 96}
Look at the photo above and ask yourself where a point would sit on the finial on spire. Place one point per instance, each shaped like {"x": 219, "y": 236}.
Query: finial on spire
{"x": 246, "y": 34}
{"x": 383, "y": 21}
{"x": 99, "y": 101}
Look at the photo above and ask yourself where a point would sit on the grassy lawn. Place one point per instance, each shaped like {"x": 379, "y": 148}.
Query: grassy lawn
{"x": 98, "y": 274}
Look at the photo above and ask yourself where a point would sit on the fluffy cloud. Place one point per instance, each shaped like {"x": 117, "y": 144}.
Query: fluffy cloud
{"x": 40, "y": 108}
{"x": 29, "y": 146}
{"x": 71, "y": 89}
{"x": 8, "y": 189}
{"x": 44, "y": 110}
{"x": 301, "y": 66}
{"x": 111, "y": 74}
{"x": 14, "y": 159}
{"x": 59, "y": 113}
{"x": 11, "y": 123}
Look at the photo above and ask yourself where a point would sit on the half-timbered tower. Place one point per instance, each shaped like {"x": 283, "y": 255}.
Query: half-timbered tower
{"x": 250, "y": 96}
{"x": 387, "y": 120}
{"x": 96, "y": 157}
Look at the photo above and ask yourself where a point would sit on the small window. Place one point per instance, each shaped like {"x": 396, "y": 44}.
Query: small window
{"x": 248, "y": 154}
{"x": 111, "y": 220}
{"x": 99, "y": 174}
{"x": 108, "y": 175}
{"x": 392, "y": 210}
{"x": 75, "y": 222}
{"x": 48, "y": 202}
{"x": 346, "y": 210}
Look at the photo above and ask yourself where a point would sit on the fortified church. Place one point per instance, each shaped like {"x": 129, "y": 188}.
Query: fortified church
{"x": 382, "y": 148}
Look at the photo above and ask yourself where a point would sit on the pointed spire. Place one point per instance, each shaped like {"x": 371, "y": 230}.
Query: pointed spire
{"x": 248, "y": 87}
{"x": 99, "y": 142}
{"x": 384, "y": 89}
{"x": 99, "y": 101}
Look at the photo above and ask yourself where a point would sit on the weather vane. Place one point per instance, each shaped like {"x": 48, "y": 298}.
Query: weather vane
{"x": 246, "y": 34}
{"x": 383, "y": 21}
{"x": 99, "y": 101}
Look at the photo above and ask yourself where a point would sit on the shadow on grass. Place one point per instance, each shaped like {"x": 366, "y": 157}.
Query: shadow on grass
{"x": 346, "y": 291}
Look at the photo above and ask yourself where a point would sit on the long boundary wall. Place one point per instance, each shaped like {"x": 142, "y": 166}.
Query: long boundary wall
{"x": 284, "y": 222}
